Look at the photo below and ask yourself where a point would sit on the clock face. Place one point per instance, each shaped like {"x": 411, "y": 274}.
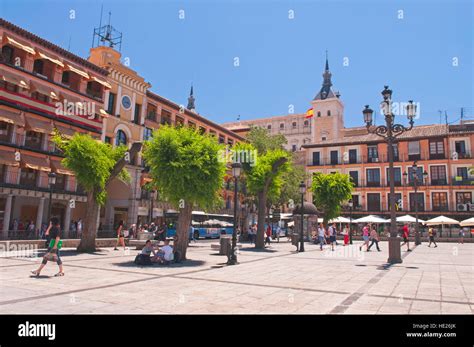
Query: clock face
{"x": 126, "y": 102}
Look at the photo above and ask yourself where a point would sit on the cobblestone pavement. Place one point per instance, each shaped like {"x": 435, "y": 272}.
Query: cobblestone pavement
{"x": 275, "y": 280}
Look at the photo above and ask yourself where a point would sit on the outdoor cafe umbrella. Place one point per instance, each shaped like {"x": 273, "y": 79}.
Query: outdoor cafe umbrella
{"x": 340, "y": 220}
{"x": 408, "y": 219}
{"x": 441, "y": 220}
{"x": 467, "y": 222}
{"x": 371, "y": 219}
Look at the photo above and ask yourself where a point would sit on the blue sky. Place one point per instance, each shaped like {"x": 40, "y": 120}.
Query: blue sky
{"x": 281, "y": 59}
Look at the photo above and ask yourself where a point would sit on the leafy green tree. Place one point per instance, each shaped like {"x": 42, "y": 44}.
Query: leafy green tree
{"x": 263, "y": 141}
{"x": 330, "y": 191}
{"x": 95, "y": 164}
{"x": 290, "y": 190}
{"x": 187, "y": 169}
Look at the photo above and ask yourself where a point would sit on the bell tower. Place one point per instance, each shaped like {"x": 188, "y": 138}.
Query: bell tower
{"x": 328, "y": 119}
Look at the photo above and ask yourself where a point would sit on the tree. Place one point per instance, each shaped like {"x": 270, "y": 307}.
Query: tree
{"x": 95, "y": 164}
{"x": 186, "y": 167}
{"x": 329, "y": 192}
{"x": 290, "y": 190}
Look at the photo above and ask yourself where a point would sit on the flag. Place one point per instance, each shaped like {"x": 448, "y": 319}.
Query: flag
{"x": 309, "y": 113}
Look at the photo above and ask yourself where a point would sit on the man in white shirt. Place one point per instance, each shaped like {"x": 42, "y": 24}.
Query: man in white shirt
{"x": 321, "y": 233}
{"x": 166, "y": 252}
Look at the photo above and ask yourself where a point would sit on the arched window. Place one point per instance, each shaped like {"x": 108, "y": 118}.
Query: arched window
{"x": 306, "y": 123}
{"x": 120, "y": 138}
{"x": 282, "y": 125}
{"x": 269, "y": 126}
{"x": 294, "y": 125}
{"x": 329, "y": 113}
{"x": 319, "y": 113}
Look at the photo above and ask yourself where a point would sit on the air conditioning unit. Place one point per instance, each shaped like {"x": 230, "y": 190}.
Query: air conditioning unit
{"x": 461, "y": 207}
{"x": 470, "y": 207}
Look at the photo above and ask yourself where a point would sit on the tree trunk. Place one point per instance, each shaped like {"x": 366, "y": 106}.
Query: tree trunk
{"x": 182, "y": 229}
{"x": 262, "y": 205}
{"x": 89, "y": 228}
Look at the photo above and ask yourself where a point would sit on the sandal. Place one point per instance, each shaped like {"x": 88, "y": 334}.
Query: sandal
{"x": 59, "y": 274}
{"x": 35, "y": 273}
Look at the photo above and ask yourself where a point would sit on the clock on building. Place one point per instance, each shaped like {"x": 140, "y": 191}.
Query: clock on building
{"x": 126, "y": 102}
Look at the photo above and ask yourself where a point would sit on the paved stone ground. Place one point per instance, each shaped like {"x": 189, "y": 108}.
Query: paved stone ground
{"x": 277, "y": 280}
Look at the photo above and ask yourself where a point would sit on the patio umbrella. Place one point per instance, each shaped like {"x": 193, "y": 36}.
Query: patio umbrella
{"x": 291, "y": 224}
{"x": 371, "y": 219}
{"x": 441, "y": 220}
{"x": 409, "y": 219}
{"x": 468, "y": 222}
{"x": 340, "y": 220}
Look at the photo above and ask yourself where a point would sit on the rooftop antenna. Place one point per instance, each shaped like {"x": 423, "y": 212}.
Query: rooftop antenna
{"x": 106, "y": 34}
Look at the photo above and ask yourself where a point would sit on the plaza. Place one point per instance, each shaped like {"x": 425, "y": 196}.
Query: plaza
{"x": 276, "y": 280}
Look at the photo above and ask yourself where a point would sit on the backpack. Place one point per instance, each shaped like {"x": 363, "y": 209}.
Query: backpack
{"x": 142, "y": 259}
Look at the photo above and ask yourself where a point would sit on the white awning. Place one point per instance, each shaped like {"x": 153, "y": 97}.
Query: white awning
{"x": 104, "y": 83}
{"x": 79, "y": 72}
{"x": 371, "y": 219}
{"x": 467, "y": 222}
{"x": 51, "y": 59}
{"x": 409, "y": 219}
{"x": 17, "y": 44}
{"x": 17, "y": 80}
{"x": 441, "y": 220}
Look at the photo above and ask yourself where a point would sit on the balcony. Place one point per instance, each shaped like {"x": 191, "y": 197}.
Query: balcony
{"x": 462, "y": 181}
{"x": 33, "y": 180}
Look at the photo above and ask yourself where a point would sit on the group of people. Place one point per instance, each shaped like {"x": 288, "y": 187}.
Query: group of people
{"x": 122, "y": 232}
{"x": 153, "y": 253}
{"x": 328, "y": 236}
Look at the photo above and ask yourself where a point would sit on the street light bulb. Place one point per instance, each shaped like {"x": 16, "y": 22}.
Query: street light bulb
{"x": 387, "y": 93}
{"x": 302, "y": 188}
{"x": 411, "y": 110}
{"x": 236, "y": 169}
{"x": 367, "y": 112}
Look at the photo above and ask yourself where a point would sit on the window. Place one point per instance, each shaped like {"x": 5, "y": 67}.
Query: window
{"x": 352, "y": 156}
{"x": 319, "y": 113}
{"x": 306, "y": 123}
{"x": 33, "y": 139}
{"x": 329, "y": 113}
{"x": 38, "y": 66}
{"x": 334, "y": 157}
{"x": 65, "y": 78}
{"x": 293, "y": 148}
{"x": 398, "y": 202}
{"x": 230, "y": 142}
{"x": 111, "y": 104}
{"x": 282, "y": 125}
{"x": 294, "y": 125}
{"x": 108, "y": 140}
{"x": 411, "y": 175}
{"x": 28, "y": 177}
{"x": 9, "y": 86}
{"x": 354, "y": 176}
{"x": 418, "y": 198}
{"x": 439, "y": 201}
{"x": 269, "y": 126}
{"x": 316, "y": 158}
{"x": 221, "y": 139}
{"x": 414, "y": 150}
{"x": 464, "y": 198}
{"x": 40, "y": 97}
{"x": 147, "y": 134}
{"x": 355, "y": 201}
{"x": 120, "y": 138}
{"x": 136, "y": 116}
{"x": 460, "y": 148}
{"x": 395, "y": 152}
{"x": 373, "y": 202}
{"x": 462, "y": 172}
{"x": 323, "y": 138}
{"x": 373, "y": 177}
{"x": 5, "y": 132}
{"x": 180, "y": 122}
{"x": 397, "y": 176}
{"x": 60, "y": 183}
{"x": 372, "y": 154}
{"x": 436, "y": 149}
{"x": 166, "y": 118}
{"x": 438, "y": 175}
{"x": 7, "y": 53}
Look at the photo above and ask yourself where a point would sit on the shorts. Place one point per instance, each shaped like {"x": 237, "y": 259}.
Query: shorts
{"x": 432, "y": 238}
{"x": 405, "y": 239}
{"x": 332, "y": 239}
{"x": 366, "y": 238}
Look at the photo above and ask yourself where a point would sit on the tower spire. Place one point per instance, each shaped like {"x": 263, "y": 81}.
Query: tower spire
{"x": 326, "y": 91}
{"x": 191, "y": 100}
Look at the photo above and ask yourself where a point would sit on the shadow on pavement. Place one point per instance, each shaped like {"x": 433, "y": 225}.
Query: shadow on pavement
{"x": 186, "y": 263}
{"x": 258, "y": 250}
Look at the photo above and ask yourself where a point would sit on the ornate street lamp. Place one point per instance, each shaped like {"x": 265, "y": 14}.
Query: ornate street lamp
{"x": 236, "y": 170}
{"x": 153, "y": 195}
{"x": 351, "y": 206}
{"x": 389, "y": 133}
{"x": 414, "y": 170}
{"x": 302, "y": 191}
{"x": 51, "y": 182}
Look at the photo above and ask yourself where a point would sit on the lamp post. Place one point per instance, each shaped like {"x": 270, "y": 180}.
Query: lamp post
{"x": 236, "y": 169}
{"x": 302, "y": 191}
{"x": 51, "y": 182}
{"x": 153, "y": 195}
{"x": 414, "y": 169}
{"x": 389, "y": 133}
{"x": 351, "y": 206}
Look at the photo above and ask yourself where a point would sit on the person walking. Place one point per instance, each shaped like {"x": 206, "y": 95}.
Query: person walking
{"x": 461, "y": 236}
{"x": 53, "y": 249}
{"x": 120, "y": 236}
{"x": 405, "y": 234}
{"x": 365, "y": 237}
{"x": 332, "y": 235}
{"x": 321, "y": 236}
{"x": 345, "y": 233}
{"x": 269, "y": 235}
{"x": 431, "y": 235}
{"x": 374, "y": 237}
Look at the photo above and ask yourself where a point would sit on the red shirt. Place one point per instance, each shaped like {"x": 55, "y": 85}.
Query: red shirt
{"x": 405, "y": 231}
{"x": 269, "y": 231}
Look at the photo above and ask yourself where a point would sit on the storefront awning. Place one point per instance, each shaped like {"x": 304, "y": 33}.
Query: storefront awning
{"x": 16, "y": 80}
{"x": 45, "y": 90}
{"x": 12, "y": 117}
{"x": 103, "y": 113}
{"x": 51, "y": 59}
{"x": 79, "y": 72}
{"x": 17, "y": 44}
{"x": 8, "y": 158}
{"x": 35, "y": 163}
{"x": 104, "y": 83}
{"x": 38, "y": 125}
{"x": 60, "y": 169}
{"x": 64, "y": 130}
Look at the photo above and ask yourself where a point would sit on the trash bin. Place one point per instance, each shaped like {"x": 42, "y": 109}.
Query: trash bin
{"x": 225, "y": 243}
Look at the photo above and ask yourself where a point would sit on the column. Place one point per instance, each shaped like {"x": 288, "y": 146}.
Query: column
{"x": 39, "y": 215}
{"x": 67, "y": 220}
{"x": 7, "y": 215}
{"x": 134, "y": 102}
{"x": 118, "y": 101}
